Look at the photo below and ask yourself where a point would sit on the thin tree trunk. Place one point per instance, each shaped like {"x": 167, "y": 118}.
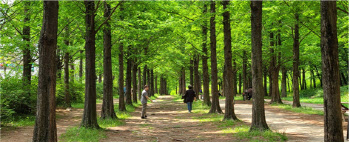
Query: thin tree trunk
{"x": 244, "y": 71}
{"x": 27, "y": 59}
{"x": 81, "y": 65}
{"x": 319, "y": 76}
{"x": 155, "y": 84}
{"x": 107, "y": 104}
{"x": 296, "y": 100}
{"x": 151, "y": 83}
{"x": 274, "y": 68}
{"x": 265, "y": 82}
{"x": 144, "y": 80}
{"x": 234, "y": 71}
{"x": 134, "y": 82}
{"x": 240, "y": 83}
{"x": 206, "y": 97}
{"x": 258, "y": 114}
{"x": 89, "y": 116}
{"x": 45, "y": 122}
{"x": 191, "y": 72}
{"x": 139, "y": 88}
{"x": 128, "y": 100}
{"x": 284, "y": 82}
{"x": 215, "y": 106}
{"x": 304, "y": 80}
{"x": 333, "y": 129}
{"x": 229, "y": 84}
{"x": 66, "y": 76}
{"x": 121, "y": 78}
{"x": 197, "y": 84}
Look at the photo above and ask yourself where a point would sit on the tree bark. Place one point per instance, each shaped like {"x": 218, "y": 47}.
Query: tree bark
{"x": 265, "y": 81}
{"x": 66, "y": 70}
{"x": 121, "y": 78}
{"x": 258, "y": 114}
{"x": 244, "y": 71}
{"x": 333, "y": 129}
{"x": 27, "y": 59}
{"x": 215, "y": 106}
{"x": 128, "y": 100}
{"x": 139, "y": 89}
{"x": 229, "y": 91}
{"x": 304, "y": 80}
{"x": 134, "y": 82}
{"x": 240, "y": 83}
{"x": 144, "y": 76}
{"x": 81, "y": 65}
{"x": 89, "y": 117}
{"x": 151, "y": 83}
{"x": 191, "y": 72}
{"x": 206, "y": 97}
{"x": 296, "y": 100}
{"x": 45, "y": 122}
{"x": 284, "y": 82}
{"x": 197, "y": 84}
{"x": 274, "y": 69}
{"x": 107, "y": 104}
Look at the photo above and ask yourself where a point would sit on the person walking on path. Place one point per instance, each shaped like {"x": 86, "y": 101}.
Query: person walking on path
{"x": 144, "y": 98}
{"x": 189, "y": 97}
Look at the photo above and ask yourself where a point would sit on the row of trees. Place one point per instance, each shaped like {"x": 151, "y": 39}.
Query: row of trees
{"x": 160, "y": 41}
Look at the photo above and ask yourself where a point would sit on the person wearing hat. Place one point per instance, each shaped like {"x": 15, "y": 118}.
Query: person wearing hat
{"x": 190, "y": 96}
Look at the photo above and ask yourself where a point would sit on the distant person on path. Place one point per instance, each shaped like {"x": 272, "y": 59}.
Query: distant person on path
{"x": 189, "y": 97}
{"x": 248, "y": 93}
{"x": 201, "y": 94}
{"x": 124, "y": 90}
{"x": 144, "y": 98}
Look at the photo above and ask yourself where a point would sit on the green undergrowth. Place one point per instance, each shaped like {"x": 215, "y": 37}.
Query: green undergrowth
{"x": 303, "y": 109}
{"x": 79, "y": 134}
{"x": 237, "y": 128}
{"x": 315, "y": 95}
{"x": 20, "y": 121}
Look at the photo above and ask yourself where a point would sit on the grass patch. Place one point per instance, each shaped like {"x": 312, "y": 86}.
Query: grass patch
{"x": 242, "y": 134}
{"x": 236, "y": 128}
{"x": 77, "y": 134}
{"x": 20, "y": 121}
{"x": 315, "y": 95}
{"x": 78, "y": 105}
{"x": 104, "y": 123}
{"x": 303, "y": 109}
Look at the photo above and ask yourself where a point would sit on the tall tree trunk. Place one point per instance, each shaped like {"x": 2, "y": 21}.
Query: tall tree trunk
{"x": 59, "y": 63}
{"x": 234, "y": 72}
{"x": 258, "y": 114}
{"x": 121, "y": 77}
{"x": 265, "y": 82}
{"x": 197, "y": 84}
{"x": 344, "y": 78}
{"x": 191, "y": 72}
{"x": 45, "y": 122}
{"x": 128, "y": 100}
{"x": 66, "y": 70}
{"x": 107, "y": 104}
{"x": 311, "y": 78}
{"x": 215, "y": 106}
{"x": 121, "y": 70}
{"x": 183, "y": 81}
{"x": 81, "y": 65}
{"x": 151, "y": 83}
{"x": 100, "y": 78}
{"x": 134, "y": 82}
{"x": 244, "y": 71}
{"x": 155, "y": 84}
{"x": 139, "y": 88}
{"x": 206, "y": 97}
{"x": 89, "y": 117}
{"x": 333, "y": 129}
{"x": 240, "y": 83}
{"x": 284, "y": 82}
{"x": 304, "y": 80}
{"x": 274, "y": 68}
{"x": 319, "y": 75}
{"x": 144, "y": 78}
{"x": 27, "y": 59}
{"x": 296, "y": 100}
{"x": 229, "y": 91}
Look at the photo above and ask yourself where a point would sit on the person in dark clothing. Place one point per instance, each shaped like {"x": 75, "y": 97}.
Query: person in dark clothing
{"x": 189, "y": 97}
{"x": 248, "y": 93}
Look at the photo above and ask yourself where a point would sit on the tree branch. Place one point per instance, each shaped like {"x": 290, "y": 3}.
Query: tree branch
{"x": 343, "y": 10}
{"x": 109, "y": 16}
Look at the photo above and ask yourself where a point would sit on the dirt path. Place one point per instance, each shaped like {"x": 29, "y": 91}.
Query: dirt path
{"x": 297, "y": 126}
{"x": 167, "y": 121}
{"x": 65, "y": 119}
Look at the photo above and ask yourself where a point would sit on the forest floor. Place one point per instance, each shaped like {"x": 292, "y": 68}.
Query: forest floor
{"x": 169, "y": 121}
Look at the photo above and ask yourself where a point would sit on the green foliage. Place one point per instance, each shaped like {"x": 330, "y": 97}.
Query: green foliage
{"x": 315, "y": 95}
{"x": 76, "y": 91}
{"x": 77, "y": 134}
{"x": 14, "y": 99}
{"x": 104, "y": 123}
{"x": 19, "y": 121}
{"x": 305, "y": 110}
